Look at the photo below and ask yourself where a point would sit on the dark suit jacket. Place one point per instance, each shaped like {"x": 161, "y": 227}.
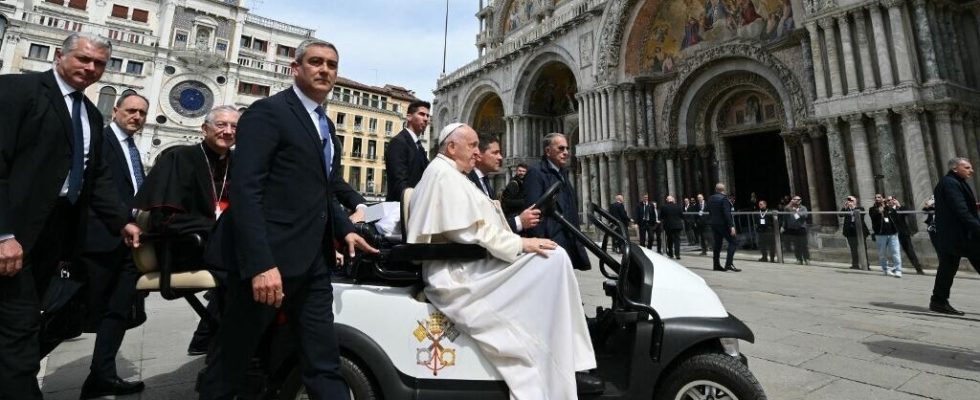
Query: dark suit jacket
{"x": 957, "y": 222}
{"x": 479, "y": 185}
{"x": 538, "y": 179}
{"x": 720, "y": 211}
{"x": 618, "y": 210}
{"x": 283, "y": 212}
{"x": 98, "y": 238}
{"x": 849, "y": 228}
{"x": 672, "y": 216}
{"x": 512, "y": 198}
{"x": 35, "y": 158}
{"x": 403, "y": 164}
{"x": 654, "y": 213}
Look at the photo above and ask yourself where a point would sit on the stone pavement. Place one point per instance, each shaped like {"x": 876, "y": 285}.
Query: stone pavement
{"x": 822, "y": 332}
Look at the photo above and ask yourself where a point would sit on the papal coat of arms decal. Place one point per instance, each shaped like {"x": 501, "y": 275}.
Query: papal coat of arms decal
{"x": 436, "y": 357}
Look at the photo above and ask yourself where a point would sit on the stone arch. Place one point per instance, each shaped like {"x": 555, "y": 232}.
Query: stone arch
{"x": 698, "y": 73}
{"x": 531, "y": 69}
{"x": 704, "y": 117}
{"x": 610, "y": 44}
{"x": 475, "y": 96}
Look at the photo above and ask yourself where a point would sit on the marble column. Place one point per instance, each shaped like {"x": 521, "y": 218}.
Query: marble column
{"x": 615, "y": 176}
{"x": 584, "y": 189}
{"x": 604, "y": 186}
{"x": 653, "y": 136}
{"x": 836, "y": 86}
{"x": 789, "y": 141}
{"x": 954, "y": 37}
{"x": 642, "y": 167}
{"x": 596, "y": 116}
{"x": 972, "y": 152}
{"x": 642, "y": 130}
{"x": 944, "y": 135}
{"x": 959, "y": 137}
{"x": 624, "y": 175}
{"x": 942, "y": 48}
{"x": 582, "y": 131}
{"x": 818, "y": 60}
{"x": 847, "y": 49}
{"x": 586, "y": 123}
{"x": 629, "y": 162}
{"x": 925, "y": 39}
{"x": 811, "y": 170}
{"x": 881, "y": 45}
{"x": 657, "y": 165}
{"x": 704, "y": 152}
{"x": 669, "y": 156}
{"x": 889, "y": 155}
{"x": 900, "y": 43}
{"x": 604, "y": 107}
{"x": 629, "y": 116}
{"x": 835, "y": 144}
{"x": 864, "y": 50}
{"x": 915, "y": 151}
{"x": 594, "y": 182}
{"x": 619, "y": 115}
{"x": 863, "y": 172}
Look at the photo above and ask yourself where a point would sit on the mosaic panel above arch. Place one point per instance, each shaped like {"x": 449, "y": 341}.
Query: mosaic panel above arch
{"x": 517, "y": 14}
{"x": 665, "y": 32}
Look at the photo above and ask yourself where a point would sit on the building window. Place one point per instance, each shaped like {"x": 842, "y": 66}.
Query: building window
{"x": 107, "y": 97}
{"x": 341, "y": 139}
{"x": 246, "y": 42}
{"x": 253, "y": 89}
{"x": 115, "y": 64}
{"x": 384, "y": 181}
{"x": 384, "y": 103}
{"x": 372, "y": 151}
{"x": 78, "y": 4}
{"x": 38, "y": 51}
{"x": 355, "y": 151}
{"x": 370, "y": 180}
{"x": 374, "y": 101}
{"x": 358, "y": 122}
{"x": 119, "y": 11}
{"x": 286, "y": 51}
{"x": 180, "y": 39}
{"x": 347, "y": 95}
{"x": 388, "y": 125}
{"x": 354, "y": 179}
{"x": 373, "y": 125}
{"x": 135, "y": 68}
{"x": 341, "y": 118}
{"x": 260, "y": 45}
{"x": 141, "y": 15}
{"x": 394, "y": 107}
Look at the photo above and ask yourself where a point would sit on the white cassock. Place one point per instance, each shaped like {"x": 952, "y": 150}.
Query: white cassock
{"x": 523, "y": 310}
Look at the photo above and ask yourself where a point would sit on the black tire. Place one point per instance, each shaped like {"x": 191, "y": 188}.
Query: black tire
{"x": 721, "y": 374}
{"x": 357, "y": 380}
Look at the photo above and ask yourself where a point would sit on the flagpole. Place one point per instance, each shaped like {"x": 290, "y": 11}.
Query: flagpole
{"x": 445, "y": 38}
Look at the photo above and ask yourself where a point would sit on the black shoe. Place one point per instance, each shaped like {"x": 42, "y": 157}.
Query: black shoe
{"x": 678, "y": 257}
{"x": 772, "y": 260}
{"x": 196, "y": 349}
{"x": 704, "y": 253}
{"x": 944, "y": 308}
{"x": 586, "y": 383}
{"x": 720, "y": 268}
{"x": 732, "y": 268}
{"x": 95, "y": 387}
{"x": 763, "y": 259}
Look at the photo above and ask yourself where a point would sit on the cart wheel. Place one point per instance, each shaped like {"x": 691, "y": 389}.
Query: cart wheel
{"x": 357, "y": 380}
{"x": 711, "y": 376}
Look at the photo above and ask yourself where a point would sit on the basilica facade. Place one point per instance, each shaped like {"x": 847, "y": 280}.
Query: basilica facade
{"x": 821, "y": 98}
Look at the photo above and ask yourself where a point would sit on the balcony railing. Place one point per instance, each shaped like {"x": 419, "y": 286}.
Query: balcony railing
{"x": 355, "y": 154}
{"x": 372, "y": 156}
{"x": 278, "y": 25}
{"x": 70, "y": 25}
{"x": 358, "y": 128}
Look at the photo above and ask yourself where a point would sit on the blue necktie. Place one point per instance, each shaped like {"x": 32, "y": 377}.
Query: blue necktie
{"x": 325, "y": 135}
{"x": 77, "y": 149}
{"x": 134, "y": 158}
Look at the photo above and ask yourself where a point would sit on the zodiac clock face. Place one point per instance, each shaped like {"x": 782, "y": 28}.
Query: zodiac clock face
{"x": 191, "y": 99}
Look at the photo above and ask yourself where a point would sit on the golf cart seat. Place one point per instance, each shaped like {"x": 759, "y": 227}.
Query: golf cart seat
{"x": 153, "y": 260}
{"x": 399, "y": 263}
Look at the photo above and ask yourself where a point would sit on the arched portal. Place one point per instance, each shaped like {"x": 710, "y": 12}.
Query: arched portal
{"x": 548, "y": 106}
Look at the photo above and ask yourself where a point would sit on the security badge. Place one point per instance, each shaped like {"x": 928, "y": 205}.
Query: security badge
{"x": 435, "y": 357}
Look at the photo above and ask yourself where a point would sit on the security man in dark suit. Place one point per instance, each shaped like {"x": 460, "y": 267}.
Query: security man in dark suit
{"x": 489, "y": 162}
{"x": 51, "y": 171}
{"x": 618, "y": 211}
{"x": 540, "y": 177}
{"x": 673, "y": 222}
{"x": 648, "y": 221}
{"x": 722, "y": 227}
{"x": 957, "y": 230}
{"x": 112, "y": 275}
{"x": 406, "y": 157}
{"x": 276, "y": 239}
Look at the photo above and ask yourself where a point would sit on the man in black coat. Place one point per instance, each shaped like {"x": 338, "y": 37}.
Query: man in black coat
{"x": 700, "y": 222}
{"x": 850, "y": 228}
{"x": 648, "y": 222}
{"x": 957, "y": 228}
{"x": 540, "y": 177}
{"x": 107, "y": 261}
{"x": 905, "y": 234}
{"x": 51, "y": 171}
{"x": 722, "y": 224}
{"x": 512, "y": 199}
{"x": 406, "y": 157}
{"x": 618, "y": 211}
{"x": 673, "y": 222}
{"x": 765, "y": 227}
{"x": 276, "y": 240}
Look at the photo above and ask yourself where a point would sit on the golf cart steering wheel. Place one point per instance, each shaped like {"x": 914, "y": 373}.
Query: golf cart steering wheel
{"x": 546, "y": 203}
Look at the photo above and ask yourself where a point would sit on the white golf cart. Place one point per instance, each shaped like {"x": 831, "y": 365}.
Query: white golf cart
{"x": 664, "y": 335}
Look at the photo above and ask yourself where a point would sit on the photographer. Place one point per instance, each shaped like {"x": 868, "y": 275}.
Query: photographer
{"x": 850, "y": 228}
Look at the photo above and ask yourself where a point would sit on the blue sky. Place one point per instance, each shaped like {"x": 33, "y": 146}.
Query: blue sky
{"x": 389, "y": 41}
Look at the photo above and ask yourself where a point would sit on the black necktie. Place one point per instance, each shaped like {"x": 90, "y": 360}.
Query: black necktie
{"x": 487, "y": 186}
{"x": 77, "y": 149}
{"x": 422, "y": 152}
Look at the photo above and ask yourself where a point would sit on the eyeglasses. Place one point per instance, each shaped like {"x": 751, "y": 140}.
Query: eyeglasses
{"x": 562, "y": 149}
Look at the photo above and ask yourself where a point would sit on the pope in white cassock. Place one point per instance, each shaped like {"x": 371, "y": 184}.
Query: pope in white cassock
{"x": 521, "y": 304}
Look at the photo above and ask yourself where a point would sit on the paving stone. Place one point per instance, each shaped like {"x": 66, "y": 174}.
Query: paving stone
{"x": 882, "y": 375}
{"x": 942, "y": 387}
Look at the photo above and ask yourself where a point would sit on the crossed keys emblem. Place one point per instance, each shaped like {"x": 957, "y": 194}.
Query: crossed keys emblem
{"x": 436, "y": 357}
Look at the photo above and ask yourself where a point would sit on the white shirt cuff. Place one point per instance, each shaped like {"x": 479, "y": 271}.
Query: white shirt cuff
{"x": 517, "y": 223}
